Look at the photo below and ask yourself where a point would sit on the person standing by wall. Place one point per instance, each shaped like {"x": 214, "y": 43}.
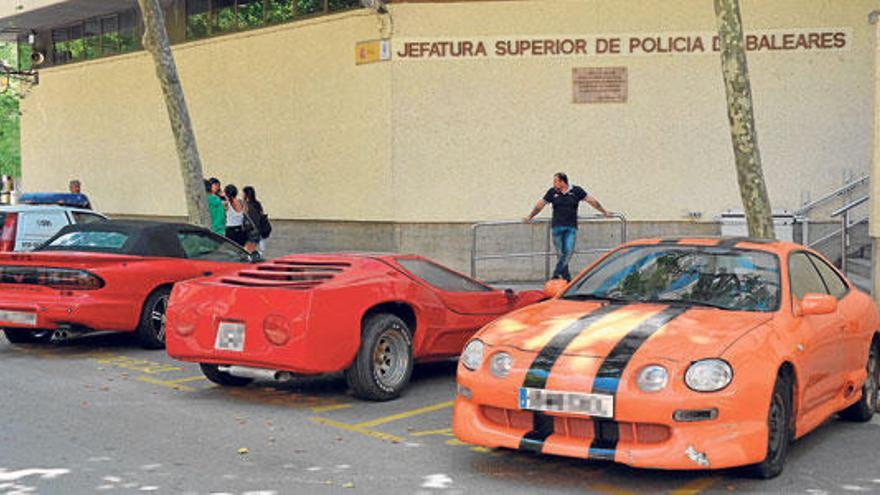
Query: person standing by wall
{"x": 565, "y": 200}
{"x": 234, "y": 215}
{"x": 215, "y": 208}
{"x": 75, "y": 187}
{"x": 253, "y": 221}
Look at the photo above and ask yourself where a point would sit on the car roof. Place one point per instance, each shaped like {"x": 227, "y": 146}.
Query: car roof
{"x": 145, "y": 237}
{"x": 25, "y": 207}
{"x": 754, "y": 243}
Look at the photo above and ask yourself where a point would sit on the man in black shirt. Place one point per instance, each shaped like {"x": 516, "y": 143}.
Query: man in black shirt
{"x": 565, "y": 200}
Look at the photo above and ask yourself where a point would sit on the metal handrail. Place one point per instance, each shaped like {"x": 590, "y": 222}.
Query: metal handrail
{"x": 849, "y": 206}
{"x": 844, "y": 213}
{"x": 548, "y": 252}
{"x": 848, "y": 187}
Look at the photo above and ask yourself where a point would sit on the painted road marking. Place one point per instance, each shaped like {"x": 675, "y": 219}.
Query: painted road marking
{"x": 358, "y": 429}
{"x": 172, "y": 384}
{"x": 404, "y": 415}
{"x": 694, "y": 487}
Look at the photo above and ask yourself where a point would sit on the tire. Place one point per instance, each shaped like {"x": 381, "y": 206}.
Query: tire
{"x": 384, "y": 362}
{"x": 27, "y": 336}
{"x": 222, "y": 378}
{"x": 779, "y": 430}
{"x": 150, "y": 332}
{"x": 863, "y": 410}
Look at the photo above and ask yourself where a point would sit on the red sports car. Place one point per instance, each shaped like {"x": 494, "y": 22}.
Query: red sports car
{"x": 369, "y": 315}
{"x": 113, "y": 275}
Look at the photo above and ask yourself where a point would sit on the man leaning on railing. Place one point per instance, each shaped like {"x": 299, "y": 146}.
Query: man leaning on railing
{"x": 565, "y": 200}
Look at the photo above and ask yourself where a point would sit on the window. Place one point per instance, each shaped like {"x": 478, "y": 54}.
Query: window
{"x": 836, "y": 286}
{"x": 279, "y": 11}
{"x": 440, "y": 277}
{"x": 207, "y": 247}
{"x": 93, "y": 38}
{"x": 804, "y": 277}
{"x": 87, "y": 241}
{"x": 82, "y": 217}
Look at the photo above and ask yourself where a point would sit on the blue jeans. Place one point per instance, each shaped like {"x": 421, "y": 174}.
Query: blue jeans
{"x": 563, "y": 239}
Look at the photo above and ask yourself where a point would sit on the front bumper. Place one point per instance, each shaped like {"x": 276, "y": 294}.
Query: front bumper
{"x": 487, "y": 413}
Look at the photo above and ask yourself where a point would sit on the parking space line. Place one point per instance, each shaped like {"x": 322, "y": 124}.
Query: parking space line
{"x": 610, "y": 489}
{"x": 403, "y": 415}
{"x": 358, "y": 429}
{"x": 694, "y": 487}
{"x": 332, "y": 407}
{"x": 172, "y": 384}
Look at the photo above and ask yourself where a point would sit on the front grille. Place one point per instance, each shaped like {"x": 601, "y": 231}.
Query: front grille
{"x": 580, "y": 428}
{"x": 287, "y": 274}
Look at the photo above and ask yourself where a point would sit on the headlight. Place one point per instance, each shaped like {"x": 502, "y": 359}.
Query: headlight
{"x": 472, "y": 355}
{"x": 708, "y": 375}
{"x": 500, "y": 364}
{"x": 652, "y": 378}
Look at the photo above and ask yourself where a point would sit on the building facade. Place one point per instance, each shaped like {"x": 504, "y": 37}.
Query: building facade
{"x": 396, "y": 132}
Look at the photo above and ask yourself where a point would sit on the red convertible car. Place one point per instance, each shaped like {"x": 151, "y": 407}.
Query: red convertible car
{"x": 113, "y": 275}
{"x": 369, "y": 315}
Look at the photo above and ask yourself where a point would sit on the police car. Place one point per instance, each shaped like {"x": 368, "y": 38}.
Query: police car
{"x": 26, "y": 226}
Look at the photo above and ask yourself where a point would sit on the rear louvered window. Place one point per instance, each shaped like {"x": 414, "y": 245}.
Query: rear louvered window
{"x": 287, "y": 274}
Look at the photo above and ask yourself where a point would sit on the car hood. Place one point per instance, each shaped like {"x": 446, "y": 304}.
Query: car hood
{"x": 694, "y": 331}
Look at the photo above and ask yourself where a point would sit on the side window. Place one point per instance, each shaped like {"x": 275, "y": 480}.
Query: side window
{"x": 836, "y": 286}
{"x": 203, "y": 246}
{"x": 81, "y": 217}
{"x": 440, "y": 277}
{"x": 804, "y": 277}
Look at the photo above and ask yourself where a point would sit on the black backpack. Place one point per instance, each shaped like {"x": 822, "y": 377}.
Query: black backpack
{"x": 265, "y": 226}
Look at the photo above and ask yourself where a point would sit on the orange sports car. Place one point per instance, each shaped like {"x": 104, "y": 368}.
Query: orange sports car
{"x": 676, "y": 354}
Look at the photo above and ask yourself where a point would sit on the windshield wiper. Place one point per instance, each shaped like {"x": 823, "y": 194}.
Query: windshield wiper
{"x": 595, "y": 297}
{"x": 689, "y": 302}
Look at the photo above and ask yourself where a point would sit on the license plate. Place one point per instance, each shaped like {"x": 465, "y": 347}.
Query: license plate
{"x": 19, "y": 317}
{"x": 537, "y": 399}
{"x": 230, "y": 336}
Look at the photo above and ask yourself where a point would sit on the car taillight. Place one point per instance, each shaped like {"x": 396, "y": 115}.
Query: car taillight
{"x": 7, "y": 238}
{"x": 276, "y": 328}
{"x": 56, "y": 278}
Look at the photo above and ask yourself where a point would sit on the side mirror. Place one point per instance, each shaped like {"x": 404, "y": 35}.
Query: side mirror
{"x": 255, "y": 257}
{"x": 509, "y": 294}
{"x": 817, "y": 304}
{"x": 554, "y": 287}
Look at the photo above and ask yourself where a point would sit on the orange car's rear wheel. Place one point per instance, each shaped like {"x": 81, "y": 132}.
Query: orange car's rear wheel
{"x": 863, "y": 410}
{"x": 384, "y": 363}
{"x": 779, "y": 429}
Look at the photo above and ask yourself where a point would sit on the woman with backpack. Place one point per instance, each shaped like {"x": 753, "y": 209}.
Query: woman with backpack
{"x": 256, "y": 225}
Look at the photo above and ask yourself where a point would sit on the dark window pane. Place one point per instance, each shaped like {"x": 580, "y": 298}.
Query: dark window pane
{"x": 279, "y": 11}
{"x": 343, "y": 4}
{"x": 197, "y": 19}
{"x": 250, "y": 13}
{"x": 76, "y": 46}
{"x": 91, "y": 32}
{"x": 109, "y": 35}
{"x": 60, "y": 48}
{"x": 440, "y": 277}
{"x": 223, "y": 16}
{"x": 307, "y": 7}
{"x": 804, "y": 277}
{"x": 127, "y": 38}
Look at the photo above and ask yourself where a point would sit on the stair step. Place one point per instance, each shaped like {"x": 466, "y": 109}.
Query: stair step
{"x": 863, "y": 283}
{"x": 859, "y": 266}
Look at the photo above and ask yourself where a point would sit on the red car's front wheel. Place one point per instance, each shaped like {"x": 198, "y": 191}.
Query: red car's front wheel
{"x": 384, "y": 363}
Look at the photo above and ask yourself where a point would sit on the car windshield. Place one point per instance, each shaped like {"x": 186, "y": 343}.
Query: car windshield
{"x": 731, "y": 279}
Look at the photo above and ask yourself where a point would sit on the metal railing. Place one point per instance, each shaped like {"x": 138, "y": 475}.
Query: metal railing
{"x": 845, "y": 189}
{"x": 844, "y": 213}
{"x": 548, "y": 251}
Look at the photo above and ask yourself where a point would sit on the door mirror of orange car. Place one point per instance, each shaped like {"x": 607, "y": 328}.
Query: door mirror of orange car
{"x": 818, "y": 304}
{"x": 554, "y": 287}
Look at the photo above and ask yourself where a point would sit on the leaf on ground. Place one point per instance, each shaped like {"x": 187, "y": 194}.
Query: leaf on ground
{"x": 243, "y": 451}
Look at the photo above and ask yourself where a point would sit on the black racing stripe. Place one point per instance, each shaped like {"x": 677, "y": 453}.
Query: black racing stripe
{"x": 538, "y": 372}
{"x": 606, "y": 431}
{"x": 536, "y": 377}
{"x": 666, "y": 242}
{"x": 733, "y": 241}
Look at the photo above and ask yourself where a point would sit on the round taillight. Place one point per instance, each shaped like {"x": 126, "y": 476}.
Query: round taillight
{"x": 276, "y": 328}
{"x": 182, "y": 320}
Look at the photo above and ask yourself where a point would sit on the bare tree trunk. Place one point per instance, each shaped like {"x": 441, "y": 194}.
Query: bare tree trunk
{"x": 156, "y": 42}
{"x": 752, "y": 188}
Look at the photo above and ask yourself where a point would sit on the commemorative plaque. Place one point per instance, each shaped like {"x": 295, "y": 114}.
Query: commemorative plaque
{"x": 599, "y": 84}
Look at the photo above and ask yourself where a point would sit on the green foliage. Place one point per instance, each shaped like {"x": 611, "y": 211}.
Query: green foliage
{"x": 10, "y": 134}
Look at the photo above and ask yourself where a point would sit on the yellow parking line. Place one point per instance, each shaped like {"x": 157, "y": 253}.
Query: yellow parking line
{"x": 443, "y": 431}
{"x": 165, "y": 383}
{"x": 610, "y": 489}
{"x": 188, "y": 379}
{"x": 358, "y": 429}
{"x": 332, "y": 407}
{"x": 407, "y": 414}
{"x": 694, "y": 487}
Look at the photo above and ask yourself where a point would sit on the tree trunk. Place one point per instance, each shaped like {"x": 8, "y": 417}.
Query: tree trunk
{"x": 156, "y": 42}
{"x": 752, "y": 188}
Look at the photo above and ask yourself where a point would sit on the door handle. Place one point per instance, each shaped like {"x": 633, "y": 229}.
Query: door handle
{"x": 207, "y": 273}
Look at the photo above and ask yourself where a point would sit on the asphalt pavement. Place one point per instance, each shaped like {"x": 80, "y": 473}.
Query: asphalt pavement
{"x": 101, "y": 415}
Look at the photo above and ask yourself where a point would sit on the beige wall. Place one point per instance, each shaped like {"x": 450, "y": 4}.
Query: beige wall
{"x": 286, "y": 109}
{"x": 283, "y": 109}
